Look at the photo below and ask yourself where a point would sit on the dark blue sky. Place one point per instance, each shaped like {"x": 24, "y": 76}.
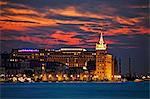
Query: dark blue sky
{"x": 78, "y": 23}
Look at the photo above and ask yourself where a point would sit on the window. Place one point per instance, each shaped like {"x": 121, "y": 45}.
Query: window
{"x": 67, "y": 60}
{"x": 41, "y": 59}
{"x": 76, "y": 65}
{"x": 75, "y": 60}
{"x": 41, "y": 54}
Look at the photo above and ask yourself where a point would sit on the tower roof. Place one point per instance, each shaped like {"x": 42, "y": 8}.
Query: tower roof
{"x": 101, "y": 38}
{"x": 101, "y": 45}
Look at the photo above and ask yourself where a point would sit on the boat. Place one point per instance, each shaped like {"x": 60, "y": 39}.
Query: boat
{"x": 138, "y": 80}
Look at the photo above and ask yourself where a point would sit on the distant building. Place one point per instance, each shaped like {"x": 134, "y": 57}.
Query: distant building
{"x": 77, "y": 61}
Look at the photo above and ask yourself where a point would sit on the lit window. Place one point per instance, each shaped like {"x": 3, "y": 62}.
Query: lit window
{"x": 36, "y": 54}
{"x": 11, "y": 60}
{"x": 76, "y": 65}
{"x": 16, "y": 60}
{"x": 41, "y": 54}
{"x": 41, "y": 59}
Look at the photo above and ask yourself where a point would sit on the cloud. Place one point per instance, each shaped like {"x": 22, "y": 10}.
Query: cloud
{"x": 107, "y": 41}
{"x": 70, "y": 25}
{"x": 24, "y": 11}
{"x": 31, "y": 39}
{"x": 66, "y": 37}
{"x": 126, "y": 21}
{"x": 2, "y": 3}
{"x": 139, "y": 6}
{"x": 56, "y": 38}
{"x": 22, "y": 17}
{"x": 23, "y": 23}
{"x": 72, "y": 11}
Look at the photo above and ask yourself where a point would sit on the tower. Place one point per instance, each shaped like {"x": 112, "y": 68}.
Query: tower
{"x": 101, "y": 44}
{"x": 103, "y": 61}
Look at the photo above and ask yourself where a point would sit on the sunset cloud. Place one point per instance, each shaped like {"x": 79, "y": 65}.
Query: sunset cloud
{"x": 2, "y": 3}
{"x": 24, "y": 22}
{"x": 66, "y": 37}
{"x": 24, "y": 11}
{"x": 72, "y": 11}
{"x": 74, "y": 24}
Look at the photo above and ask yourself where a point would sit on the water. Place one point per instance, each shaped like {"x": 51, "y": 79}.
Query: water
{"x": 128, "y": 90}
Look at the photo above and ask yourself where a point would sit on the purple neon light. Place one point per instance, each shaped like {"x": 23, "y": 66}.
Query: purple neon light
{"x": 28, "y": 50}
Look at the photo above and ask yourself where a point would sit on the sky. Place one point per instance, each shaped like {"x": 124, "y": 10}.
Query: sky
{"x": 78, "y": 23}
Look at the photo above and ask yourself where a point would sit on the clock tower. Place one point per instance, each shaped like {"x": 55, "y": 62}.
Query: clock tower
{"x": 103, "y": 61}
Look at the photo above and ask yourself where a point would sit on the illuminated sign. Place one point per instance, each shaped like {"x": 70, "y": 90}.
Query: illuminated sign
{"x": 28, "y": 50}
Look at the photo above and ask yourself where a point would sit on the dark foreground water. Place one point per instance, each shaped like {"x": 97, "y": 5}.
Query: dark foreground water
{"x": 128, "y": 90}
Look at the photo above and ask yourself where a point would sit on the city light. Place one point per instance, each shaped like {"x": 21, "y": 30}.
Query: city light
{"x": 84, "y": 67}
{"x": 143, "y": 77}
{"x": 41, "y": 75}
{"x": 50, "y": 75}
{"x": 24, "y": 75}
{"x": 117, "y": 76}
{"x": 28, "y": 50}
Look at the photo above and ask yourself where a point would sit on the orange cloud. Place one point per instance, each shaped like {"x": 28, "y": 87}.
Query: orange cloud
{"x": 142, "y": 30}
{"x": 126, "y": 30}
{"x": 37, "y": 20}
{"x": 127, "y": 21}
{"x": 108, "y": 41}
{"x": 2, "y": 3}
{"x": 88, "y": 29}
{"x": 12, "y": 26}
{"x": 22, "y": 18}
{"x": 36, "y": 40}
{"x": 66, "y": 37}
{"x": 24, "y": 11}
{"x": 73, "y": 22}
{"x": 117, "y": 31}
{"x": 72, "y": 11}
{"x": 22, "y": 23}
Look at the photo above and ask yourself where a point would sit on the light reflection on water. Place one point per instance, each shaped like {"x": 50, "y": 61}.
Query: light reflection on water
{"x": 128, "y": 90}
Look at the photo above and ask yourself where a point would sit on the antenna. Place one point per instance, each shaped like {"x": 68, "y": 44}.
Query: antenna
{"x": 129, "y": 66}
{"x": 120, "y": 66}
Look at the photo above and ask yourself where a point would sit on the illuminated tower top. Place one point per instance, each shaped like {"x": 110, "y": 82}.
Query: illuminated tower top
{"x": 101, "y": 44}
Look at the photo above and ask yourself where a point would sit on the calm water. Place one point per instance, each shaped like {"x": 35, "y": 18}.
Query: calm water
{"x": 128, "y": 90}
